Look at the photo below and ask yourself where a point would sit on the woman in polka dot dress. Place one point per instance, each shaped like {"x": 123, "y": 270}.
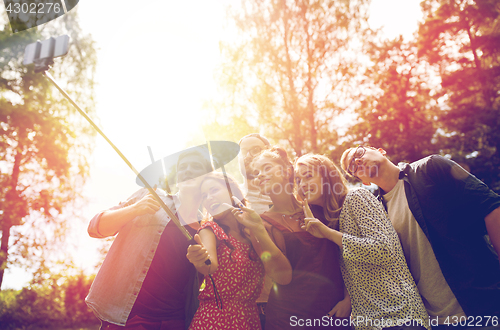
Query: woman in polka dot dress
{"x": 382, "y": 290}
{"x": 235, "y": 275}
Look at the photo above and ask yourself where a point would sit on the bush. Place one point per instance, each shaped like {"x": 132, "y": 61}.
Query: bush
{"x": 55, "y": 303}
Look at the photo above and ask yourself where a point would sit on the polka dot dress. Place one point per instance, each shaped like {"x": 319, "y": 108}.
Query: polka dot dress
{"x": 238, "y": 280}
{"x": 383, "y": 293}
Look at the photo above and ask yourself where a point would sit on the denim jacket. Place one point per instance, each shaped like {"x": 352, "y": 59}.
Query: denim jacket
{"x": 122, "y": 273}
{"x": 450, "y": 205}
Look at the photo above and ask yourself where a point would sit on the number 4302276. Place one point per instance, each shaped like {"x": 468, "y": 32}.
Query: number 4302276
{"x": 471, "y": 321}
{"x": 33, "y": 8}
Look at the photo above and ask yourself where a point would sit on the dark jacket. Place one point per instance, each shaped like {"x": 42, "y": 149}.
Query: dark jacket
{"x": 450, "y": 205}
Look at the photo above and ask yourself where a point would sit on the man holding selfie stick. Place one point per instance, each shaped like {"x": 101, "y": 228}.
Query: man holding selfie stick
{"x": 146, "y": 281}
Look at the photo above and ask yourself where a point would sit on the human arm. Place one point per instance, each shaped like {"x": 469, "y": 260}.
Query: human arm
{"x": 206, "y": 248}
{"x": 368, "y": 235}
{"x": 371, "y": 243}
{"x": 470, "y": 204}
{"x": 343, "y": 307}
{"x": 111, "y": 221}
{"x": 318, "y": 229}
{"x": 492, "y": 221}
{"x": 276, "y": 264}
{"x": 470, "y": 193}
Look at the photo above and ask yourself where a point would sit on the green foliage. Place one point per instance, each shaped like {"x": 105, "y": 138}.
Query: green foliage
{"x": 288, "y": 75}
{"x": 76, "y": 289}
{"x": 462, "y": 39}
{"x": 438, "y": 93}
{"x": 44, "y": 143}
{"x": 54, "y": 303}
{"x": 291, "y": 69}
{"x": 397, "y": 112}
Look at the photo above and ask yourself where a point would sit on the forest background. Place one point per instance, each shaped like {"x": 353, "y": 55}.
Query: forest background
{"x": 313, "y": 76}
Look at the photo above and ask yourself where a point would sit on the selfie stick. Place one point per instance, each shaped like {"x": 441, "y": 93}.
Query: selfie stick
{"x": 146, "y": 184}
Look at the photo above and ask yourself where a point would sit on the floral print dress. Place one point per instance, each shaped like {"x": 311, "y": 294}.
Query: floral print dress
{"x": 238, "y": 282}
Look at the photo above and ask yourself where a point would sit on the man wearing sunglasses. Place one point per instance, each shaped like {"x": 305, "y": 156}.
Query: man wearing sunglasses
{"x": 448, "y": 222}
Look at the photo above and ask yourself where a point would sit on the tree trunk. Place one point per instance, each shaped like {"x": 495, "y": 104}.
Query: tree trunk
{"x": 294, "y": 103}
{"x": 11, "y": 209}
{"x": 4, "y": 251}
{"x": 310, "y": 90}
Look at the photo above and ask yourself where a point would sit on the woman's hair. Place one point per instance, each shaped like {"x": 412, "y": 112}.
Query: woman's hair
{"x": 343, "y": 164}
{"x": 334, "y": 189}
{"x": 225, "y": 180}
{"x": 279, "y": 156}
{"x": 258, "y": 136}
{"x": 235, "y": 190}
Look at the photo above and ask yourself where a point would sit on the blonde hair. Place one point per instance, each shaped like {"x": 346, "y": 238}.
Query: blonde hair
{"x": 258, "y": 136}
{"x": 343, "y": 165}
{"x": 334, "y": 189}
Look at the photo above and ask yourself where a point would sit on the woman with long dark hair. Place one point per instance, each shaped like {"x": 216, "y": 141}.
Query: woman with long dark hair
{"x": 240, "y": 250}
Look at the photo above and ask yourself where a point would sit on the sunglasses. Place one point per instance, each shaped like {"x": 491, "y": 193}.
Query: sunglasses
{"x": 353, "y": 166}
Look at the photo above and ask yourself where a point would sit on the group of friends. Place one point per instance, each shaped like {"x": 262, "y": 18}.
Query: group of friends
{"x": 293, "y": 247}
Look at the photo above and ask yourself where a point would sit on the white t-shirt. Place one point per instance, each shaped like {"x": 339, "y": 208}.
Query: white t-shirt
{"x": 436, "y": 294}
{"x": 258, "y": 202}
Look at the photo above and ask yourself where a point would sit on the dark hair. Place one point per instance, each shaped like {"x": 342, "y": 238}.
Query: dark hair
{"x": 234, "y": 191}
{"x": 280, "y": 156}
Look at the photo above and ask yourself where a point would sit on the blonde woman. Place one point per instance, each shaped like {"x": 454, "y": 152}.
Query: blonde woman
{"x": 316, "y": 287}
